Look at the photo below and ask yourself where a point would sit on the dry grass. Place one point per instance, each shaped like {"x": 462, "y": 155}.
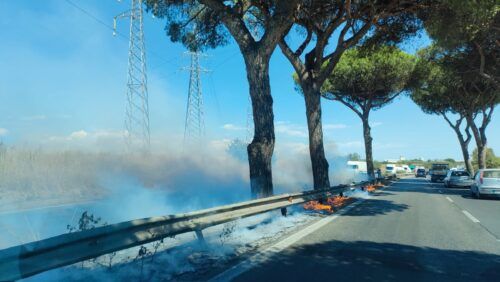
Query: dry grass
{"x": 30, "y": 174}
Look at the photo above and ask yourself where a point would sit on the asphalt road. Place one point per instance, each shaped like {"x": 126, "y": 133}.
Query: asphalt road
{"x": 411, "y": 231}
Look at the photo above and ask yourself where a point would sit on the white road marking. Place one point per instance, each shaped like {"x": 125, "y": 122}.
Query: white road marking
{"x": 470, "y": 216}
{"x": 449, "y": 199}
{"x": 264, "y": 256}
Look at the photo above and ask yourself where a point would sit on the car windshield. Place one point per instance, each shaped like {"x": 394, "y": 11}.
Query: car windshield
{"x": 460, "y": 173}
{"x": 389, "y": 168}
{"x": 491, "y": 174}
{"x": 421, "y": 170}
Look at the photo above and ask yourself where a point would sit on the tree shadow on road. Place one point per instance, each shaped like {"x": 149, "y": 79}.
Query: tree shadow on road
{"x": 463, "y": 192}
{"x": 382, "y": 193}
{"x": 371, "y": 261}
{"x": 483, "y": 197}
{"x": 371, "y": 207}
{"x": 430, "y": 190}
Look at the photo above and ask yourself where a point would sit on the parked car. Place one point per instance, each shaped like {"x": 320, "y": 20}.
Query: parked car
{"x": 420, "y": 172}
{"x": 458, "y": 178}
{"x": 486, "y": 182}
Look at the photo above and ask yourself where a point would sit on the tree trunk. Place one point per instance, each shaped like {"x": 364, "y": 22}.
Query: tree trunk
{"x": 480, "y": 143}
{"x": 484, "y": 141}
{"x": 464, "y": 145}
{"x": 368, "y": 147}
{"x": 464, "y": 142}
{"x": 319, "y": 163}
{"x": 261, "y": 149}
{"x": 467, "y": 161}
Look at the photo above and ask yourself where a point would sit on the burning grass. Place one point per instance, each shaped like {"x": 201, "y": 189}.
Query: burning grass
{"x": 331, "y": 204}
{"x": 373, "y": 188}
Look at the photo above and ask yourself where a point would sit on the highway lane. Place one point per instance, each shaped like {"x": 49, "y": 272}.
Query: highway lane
{"x": 486, "y": 211}
{"x": 411, "y": 231}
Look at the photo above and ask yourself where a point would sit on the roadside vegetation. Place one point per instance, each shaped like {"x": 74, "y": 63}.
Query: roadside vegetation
{"x": 366, "y": 80}
{"x": 41, "y": 176}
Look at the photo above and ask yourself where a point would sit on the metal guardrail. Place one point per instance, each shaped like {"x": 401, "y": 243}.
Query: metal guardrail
{"x": 32, "y": 258}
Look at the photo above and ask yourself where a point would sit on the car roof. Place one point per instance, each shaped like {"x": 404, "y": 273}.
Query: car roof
{"x": 489, "y": 169}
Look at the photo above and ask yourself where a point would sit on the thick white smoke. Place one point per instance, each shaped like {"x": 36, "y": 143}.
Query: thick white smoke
{"x": 119, "y": 187}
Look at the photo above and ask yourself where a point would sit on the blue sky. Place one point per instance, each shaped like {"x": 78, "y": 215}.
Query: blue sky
{"x": 63, "y": 75}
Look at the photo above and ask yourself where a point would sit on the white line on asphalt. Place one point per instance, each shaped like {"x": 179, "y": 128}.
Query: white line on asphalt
{"x": 449, "y": 199}
{"x": 257, "y": 259}
{"x": 470, "y": 216}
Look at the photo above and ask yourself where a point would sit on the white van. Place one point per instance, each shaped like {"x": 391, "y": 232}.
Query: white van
{"x": 391, "y": 169}
{"x": 357, "y": 166}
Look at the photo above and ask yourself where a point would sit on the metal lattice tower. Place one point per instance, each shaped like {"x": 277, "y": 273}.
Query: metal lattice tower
{"x": 194, "y": 128}
{"x": 137, "y": 109}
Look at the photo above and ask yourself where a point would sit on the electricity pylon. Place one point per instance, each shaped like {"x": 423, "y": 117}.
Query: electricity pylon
{"x": 194, "y": 128}
{"x": 137, "y": 110}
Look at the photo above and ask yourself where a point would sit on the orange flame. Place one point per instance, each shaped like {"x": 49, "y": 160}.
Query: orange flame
{"x": 331, "y": 204}
{"x": 370, "y": 188}
{"x": 316, "y": 206}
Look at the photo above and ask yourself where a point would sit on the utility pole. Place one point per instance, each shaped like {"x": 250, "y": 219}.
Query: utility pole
{"x": 194, "y": 128}
{"x": 137, "y": 130}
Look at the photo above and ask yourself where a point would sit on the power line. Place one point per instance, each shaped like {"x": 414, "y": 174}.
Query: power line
{"x": 121, "y": 35}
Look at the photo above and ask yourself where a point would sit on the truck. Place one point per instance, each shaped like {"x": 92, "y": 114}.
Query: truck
{"x": 438, "y": 171}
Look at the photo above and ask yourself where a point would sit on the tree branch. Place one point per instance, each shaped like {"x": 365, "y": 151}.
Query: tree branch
{"x": 304, "y": 44}
{"x": 334, "y": 57}
{"x": 336, "y": 97}
{"x": 292, "y": 57}
{"x": 234, "y": 24}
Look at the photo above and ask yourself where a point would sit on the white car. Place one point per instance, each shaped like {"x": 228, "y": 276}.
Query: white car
{"x": 486, "y": 182}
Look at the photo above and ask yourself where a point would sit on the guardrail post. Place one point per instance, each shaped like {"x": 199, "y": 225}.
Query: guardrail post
{"x": 284, "y": 212}
{"x": 199, "y": 235}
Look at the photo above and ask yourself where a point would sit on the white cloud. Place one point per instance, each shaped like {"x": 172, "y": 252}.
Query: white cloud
{"x": 376, "y": 123}
{"x": 33, "y": 118}
{"x": 109, "y": 133}
{"x": 78, "y": 135}
{"x": 290, "y": 129}
{"x": 3, "y": 131}
{"x": 230, "y": 126}
{"x": 95, "y": 136}
{"x": 333, "y": 126}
